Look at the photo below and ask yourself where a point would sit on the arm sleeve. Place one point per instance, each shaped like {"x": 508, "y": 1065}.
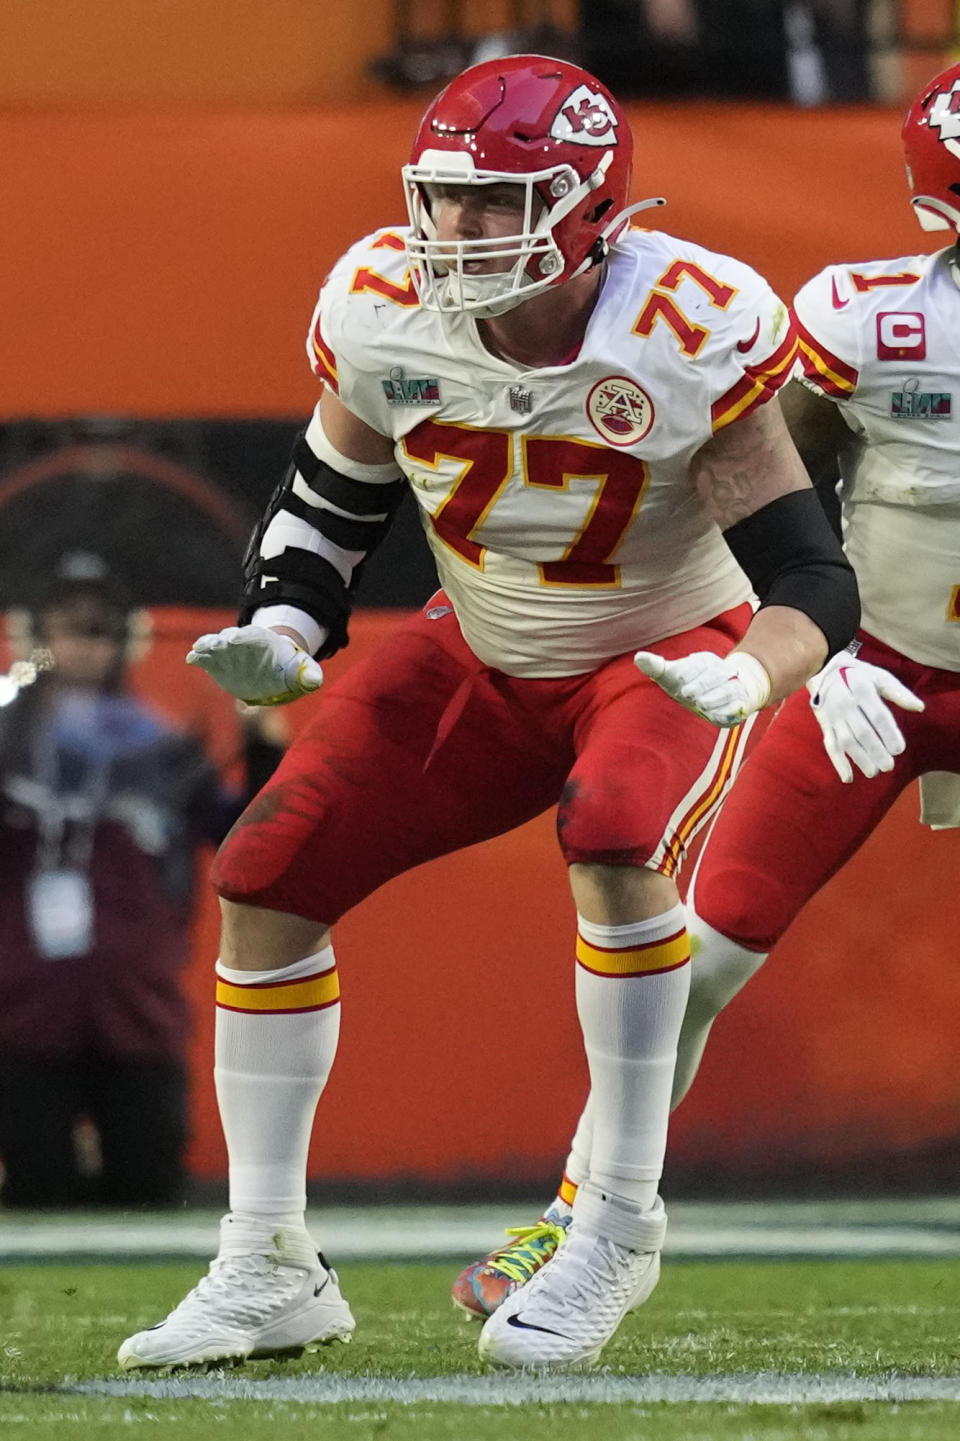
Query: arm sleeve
{"x": 793, "y": 558}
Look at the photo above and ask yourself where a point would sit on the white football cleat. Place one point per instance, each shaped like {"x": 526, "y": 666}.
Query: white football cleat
{"x": 565, "y": 1315}
{"x": 269, "y": 1292}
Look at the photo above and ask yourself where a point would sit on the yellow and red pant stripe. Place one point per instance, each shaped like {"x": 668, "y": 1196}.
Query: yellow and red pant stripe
{"x": 274, "y": 998}
{"x": 690, "y": 823}
{"x": 648, "y": 960}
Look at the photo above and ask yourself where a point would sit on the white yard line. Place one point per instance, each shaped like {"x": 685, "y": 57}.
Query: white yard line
{"x": 756, "y": 1388}
{"x": 848, "y": 1229}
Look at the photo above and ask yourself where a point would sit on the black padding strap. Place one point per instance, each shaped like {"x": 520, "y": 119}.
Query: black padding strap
{"x": 359, "y": 497}
{"x": 362, "y": 535}
{"x": 301, "y": 578}
{"x": 792, "y": 557}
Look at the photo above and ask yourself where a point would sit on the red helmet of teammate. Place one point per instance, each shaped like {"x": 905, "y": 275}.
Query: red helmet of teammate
{"x": 931, "y": 142}
{"x": 531, "y": 121}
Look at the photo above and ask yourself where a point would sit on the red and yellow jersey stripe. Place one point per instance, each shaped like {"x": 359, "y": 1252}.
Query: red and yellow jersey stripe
{"x": 323, "y": 358}
{"x": 758, "y": 384}
{"x": 389, "y": 240}
{"x": 827, "y": 371}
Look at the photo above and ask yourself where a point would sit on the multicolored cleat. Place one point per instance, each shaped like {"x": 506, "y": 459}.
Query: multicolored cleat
{"x": 484, "y": 1285}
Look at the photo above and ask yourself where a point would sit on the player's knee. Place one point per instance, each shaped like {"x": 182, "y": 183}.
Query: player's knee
{"x": 258, "y": 853}
{"x": 232, "y": 874}
{"x": 258, "y": 938}
{"x": 719, "y": 969}
{"x": 621, "y": 894}
{"x": 249, "y": 852}
{"x": 749, "y": 910}
{"x": 592, "y": 831}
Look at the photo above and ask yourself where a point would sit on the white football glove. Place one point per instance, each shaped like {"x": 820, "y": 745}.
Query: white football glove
{"x": 256, "y": 665}
{"x": 724, "y": 689}
{"x": 848, "y": 697}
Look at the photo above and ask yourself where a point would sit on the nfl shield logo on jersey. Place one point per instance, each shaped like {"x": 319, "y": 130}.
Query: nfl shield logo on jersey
{"x": 620, "y": 410}
{"x": 521, "y": 399}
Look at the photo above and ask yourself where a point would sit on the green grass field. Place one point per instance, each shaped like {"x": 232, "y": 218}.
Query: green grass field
{"x": 824, "y": 1337}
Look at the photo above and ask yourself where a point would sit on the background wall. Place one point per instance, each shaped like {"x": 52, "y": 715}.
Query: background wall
{"x": 295, "y": 53}
{"x": 168, "y": 264}
{"x": 198, "y": 53}
{"x": 164, "y": 261}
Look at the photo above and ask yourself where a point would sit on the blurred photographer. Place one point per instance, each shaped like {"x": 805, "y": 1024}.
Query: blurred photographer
{"x": 102, "y": 807}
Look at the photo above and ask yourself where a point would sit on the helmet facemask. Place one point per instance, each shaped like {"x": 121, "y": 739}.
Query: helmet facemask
{"x": 438, "y": 266}
{"x": 931, "y": 138}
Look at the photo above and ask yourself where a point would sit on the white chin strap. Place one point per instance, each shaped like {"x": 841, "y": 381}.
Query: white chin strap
{"x": 935, "y": 214}
{"x": 633, "y": 210}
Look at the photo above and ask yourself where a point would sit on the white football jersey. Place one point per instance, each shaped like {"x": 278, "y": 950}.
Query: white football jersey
{"x": 557, "y": 501}
{"x": 883, "y": 340}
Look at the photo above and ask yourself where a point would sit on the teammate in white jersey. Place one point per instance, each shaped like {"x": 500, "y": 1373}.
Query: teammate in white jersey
{"x": 880, "y": 393}
{"x": 583, "y": 415}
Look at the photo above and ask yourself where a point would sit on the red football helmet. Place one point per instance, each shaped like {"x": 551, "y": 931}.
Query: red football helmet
{"x": 931, "y": 142}
{"x": 540, "y": 123}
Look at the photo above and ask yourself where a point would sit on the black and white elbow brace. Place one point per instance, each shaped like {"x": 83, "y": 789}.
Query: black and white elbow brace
{"x": 792, "y": 557}
{"x": 340, "y": 520}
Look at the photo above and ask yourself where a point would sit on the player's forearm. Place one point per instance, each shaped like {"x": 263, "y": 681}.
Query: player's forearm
{"x": 325, "y": 517}
{"x": 789, "y": 646}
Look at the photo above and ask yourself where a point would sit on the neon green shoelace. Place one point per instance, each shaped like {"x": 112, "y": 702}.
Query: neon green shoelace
{"x": 534, "y": 1245}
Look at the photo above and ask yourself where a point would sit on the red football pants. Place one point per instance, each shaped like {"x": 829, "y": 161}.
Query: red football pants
{"x": 421, "y": 750}
{"x": 790, "y": 823}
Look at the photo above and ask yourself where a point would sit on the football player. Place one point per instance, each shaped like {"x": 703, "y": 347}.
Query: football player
{"x": 880, "y": 394}
{"x": 586, "y": 417}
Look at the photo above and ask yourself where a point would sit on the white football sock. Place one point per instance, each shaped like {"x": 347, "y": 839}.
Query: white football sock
{"x": 577, "y": 1167}
{"x": 632, "y": 984}
{"x": 718, "y": 969}
{"x": 276, "y": 1037}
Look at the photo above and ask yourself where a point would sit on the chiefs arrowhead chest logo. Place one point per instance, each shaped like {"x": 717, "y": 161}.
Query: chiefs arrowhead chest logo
{"x": 586, "y": 118}
{"x": 620, "y": 410}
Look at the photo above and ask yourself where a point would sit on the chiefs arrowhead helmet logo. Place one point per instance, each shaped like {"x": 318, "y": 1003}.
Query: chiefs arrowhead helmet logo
{"x": 944, "y": 115}
{"x": 586, "y": 118}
